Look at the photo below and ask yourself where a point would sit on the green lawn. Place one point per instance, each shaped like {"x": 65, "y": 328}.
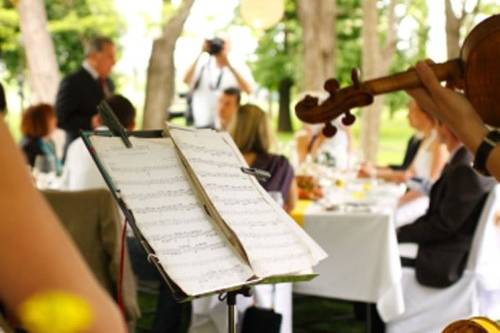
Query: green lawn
{"x": 310, "y": 314}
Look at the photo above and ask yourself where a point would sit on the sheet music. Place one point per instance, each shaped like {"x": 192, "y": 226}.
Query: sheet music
{"x": 155, "y": 187}
{"x": 273, "y": 247}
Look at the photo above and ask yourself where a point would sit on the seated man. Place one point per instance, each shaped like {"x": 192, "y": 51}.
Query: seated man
{"x": 444, "y": 233}
{"x": 227, "y": 106}
{"x": 80, "y": 171}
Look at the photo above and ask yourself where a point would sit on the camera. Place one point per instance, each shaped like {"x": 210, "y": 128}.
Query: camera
{"x": 215, "y": 45}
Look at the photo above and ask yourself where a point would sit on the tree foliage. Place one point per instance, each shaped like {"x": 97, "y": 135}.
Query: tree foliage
{"x": 11, "y": 54}
{"x": 69, "y": 22}
{"x": 278, "y": 55}
{"x": 409, "y": 51}
{"x": 348, "y": 27}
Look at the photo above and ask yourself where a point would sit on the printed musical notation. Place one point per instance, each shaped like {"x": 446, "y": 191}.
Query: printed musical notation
{"x": 244, "y": 208}
{"x": 155, "y": 187}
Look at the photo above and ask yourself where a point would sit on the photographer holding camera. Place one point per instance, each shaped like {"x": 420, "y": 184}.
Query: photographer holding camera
{"x": 208, "y": 76}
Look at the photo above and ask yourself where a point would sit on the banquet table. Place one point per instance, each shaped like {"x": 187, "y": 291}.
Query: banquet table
{"x": 360, "y": 239}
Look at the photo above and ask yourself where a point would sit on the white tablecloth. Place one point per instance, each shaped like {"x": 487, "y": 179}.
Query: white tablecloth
{"x": 363, "y": 262}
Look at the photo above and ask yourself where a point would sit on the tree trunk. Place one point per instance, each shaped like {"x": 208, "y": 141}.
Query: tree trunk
{"x": 284, "y": 119}
{"x": 453, "y": 23}
{"x": 376, "y": 62}
{"x": 317, "y": 19}
{"x": 160, "y": 84}
{"x": 43, "y": 71}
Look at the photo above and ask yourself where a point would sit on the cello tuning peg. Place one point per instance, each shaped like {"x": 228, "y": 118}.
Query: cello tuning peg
{"x": 310, "y": 101}
{"x": 331, "y": 85}
{"x": 329, "y": 130}
{"x": 306, "y": 104}
{"x": 355, "y": 78}
{"x": 348, "y": 119}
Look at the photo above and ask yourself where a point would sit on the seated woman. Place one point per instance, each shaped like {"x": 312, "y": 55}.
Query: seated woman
{"x": 37, "y": 124}
{"x": 252, "y": 134}
{"x": 429, "y": 159}
{"x": 310, "y": 141}
{"x": 424, "y": 170}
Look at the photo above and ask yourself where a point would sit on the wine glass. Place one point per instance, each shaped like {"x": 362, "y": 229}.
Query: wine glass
{"x": 44, "y": 170}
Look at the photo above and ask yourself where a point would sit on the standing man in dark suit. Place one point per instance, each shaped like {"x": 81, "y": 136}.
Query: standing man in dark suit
{"x": 444, "y": 234}
{"x": 80, "y": 92}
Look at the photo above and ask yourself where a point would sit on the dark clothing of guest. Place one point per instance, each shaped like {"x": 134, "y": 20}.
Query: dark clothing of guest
{"x": 77, "y": 98}
{"x": 170, "y": 316}
{"x": 281, "y": 173}
{"x": 32, "y": 147}
{"x": 410, "y": 153}
{"x": 444, "y": 234}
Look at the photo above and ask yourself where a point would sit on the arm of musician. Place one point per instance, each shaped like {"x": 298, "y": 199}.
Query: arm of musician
{"x": 493, "y": 163}
{"x": 32, "y": 243}
{"x": 455, "y": 110}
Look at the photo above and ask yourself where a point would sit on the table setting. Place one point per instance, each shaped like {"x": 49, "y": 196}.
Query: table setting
{"x": 353, "y": 220}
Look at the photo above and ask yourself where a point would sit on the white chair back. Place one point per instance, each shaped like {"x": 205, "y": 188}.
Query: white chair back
{"x": 485, "y": 249}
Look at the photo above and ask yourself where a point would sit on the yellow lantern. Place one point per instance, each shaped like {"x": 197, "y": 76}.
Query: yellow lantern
{"x": 262, "y": 14}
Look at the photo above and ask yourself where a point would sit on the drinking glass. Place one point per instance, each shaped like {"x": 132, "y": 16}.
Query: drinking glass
{"x": 44, "y": 171}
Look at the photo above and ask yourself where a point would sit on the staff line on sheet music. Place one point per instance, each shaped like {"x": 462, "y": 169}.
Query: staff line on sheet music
{"x": 159, "y": 194}
{"x": 200, "y": 149}
{"x": 123, "y": 169}
{"x": 166, "y": 208}
{"x": 144, "y": 182}
{"x": 192, "y": 248}
{"x": 181, "y": 236}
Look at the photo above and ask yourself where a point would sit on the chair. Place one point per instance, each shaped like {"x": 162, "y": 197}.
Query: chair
{"x": 477, "y": 292}
{"x": 92, "y": 220}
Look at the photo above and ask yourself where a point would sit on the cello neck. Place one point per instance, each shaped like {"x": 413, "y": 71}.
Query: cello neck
{"x": 447, "y": 71}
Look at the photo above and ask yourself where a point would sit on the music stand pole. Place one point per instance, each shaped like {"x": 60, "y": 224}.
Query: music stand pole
{"x": 231, "y": 307}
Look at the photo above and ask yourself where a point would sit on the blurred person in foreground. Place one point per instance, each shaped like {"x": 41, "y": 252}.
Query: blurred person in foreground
{"x": 38, "y": 122}
{"x": 227, "y": 107}
{"x": 80, "y": 92}
{"x": 252, "y": 134}
{"x": 38, "y": 253}
{"x": 211, "y": 73}
{"x": 459, "y": 114}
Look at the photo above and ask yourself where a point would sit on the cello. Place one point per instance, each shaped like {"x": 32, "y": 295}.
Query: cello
{"x": 476, "y": 71}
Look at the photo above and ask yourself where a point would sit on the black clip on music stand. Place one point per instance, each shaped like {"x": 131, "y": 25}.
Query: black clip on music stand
{"x": 230, "y": 298}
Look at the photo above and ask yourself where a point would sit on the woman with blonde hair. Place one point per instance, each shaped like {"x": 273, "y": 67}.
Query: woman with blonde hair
{"x": 252, "y": 134}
